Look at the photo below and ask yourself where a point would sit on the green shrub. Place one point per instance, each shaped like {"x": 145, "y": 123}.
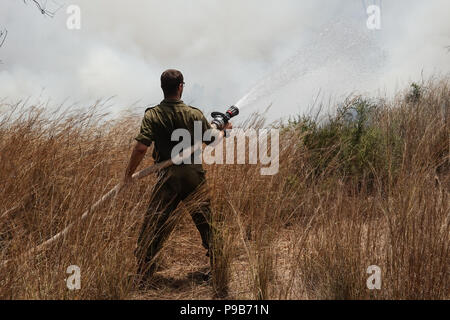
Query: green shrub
{"x": 350, "y": 143}
{"x": 415, "y": 93}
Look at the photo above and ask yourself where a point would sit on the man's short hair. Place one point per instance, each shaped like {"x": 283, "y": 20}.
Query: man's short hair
{"x": 170, "y": 80}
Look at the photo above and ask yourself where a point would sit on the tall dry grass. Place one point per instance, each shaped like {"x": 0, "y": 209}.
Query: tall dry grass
{"x": 372, "y": 189}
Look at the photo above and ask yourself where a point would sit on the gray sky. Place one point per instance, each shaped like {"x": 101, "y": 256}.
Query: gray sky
{"x": 289, "y": 51}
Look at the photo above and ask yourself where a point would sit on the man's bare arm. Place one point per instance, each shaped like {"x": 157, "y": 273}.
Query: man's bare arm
{"x": 137, "y": 155}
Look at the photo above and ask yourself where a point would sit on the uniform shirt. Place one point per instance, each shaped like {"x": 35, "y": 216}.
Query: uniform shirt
{"x": 160, "y": 122}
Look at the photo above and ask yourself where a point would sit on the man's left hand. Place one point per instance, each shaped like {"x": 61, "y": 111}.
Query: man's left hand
{"x": 228, "y": 126}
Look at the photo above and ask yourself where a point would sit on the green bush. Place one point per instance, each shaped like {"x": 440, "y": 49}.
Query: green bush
{"x": 415, "y": 93}
{"x": 349, "y": 143}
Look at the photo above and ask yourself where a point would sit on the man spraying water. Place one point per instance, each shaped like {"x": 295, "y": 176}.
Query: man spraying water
{"x": 176, "y": 182}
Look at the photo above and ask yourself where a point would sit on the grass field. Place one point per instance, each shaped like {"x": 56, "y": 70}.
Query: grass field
{"x": 368, "y": 186}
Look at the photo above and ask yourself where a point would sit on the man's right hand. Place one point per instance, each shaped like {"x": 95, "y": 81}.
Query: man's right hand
{"x": 127, "y": 181}
{"x": 135, "y": 159}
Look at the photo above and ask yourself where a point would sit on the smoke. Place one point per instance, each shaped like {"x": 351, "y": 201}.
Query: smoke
{"x": 291, "y": 50}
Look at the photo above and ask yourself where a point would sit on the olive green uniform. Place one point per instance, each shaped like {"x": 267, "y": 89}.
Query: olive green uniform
{"x": 174, "y": 184}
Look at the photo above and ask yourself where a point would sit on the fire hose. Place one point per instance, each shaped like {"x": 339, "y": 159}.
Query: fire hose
{"x": 219, "y": 121}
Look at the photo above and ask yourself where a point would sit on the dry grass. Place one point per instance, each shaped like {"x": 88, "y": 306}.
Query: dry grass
{"x": 302, "y": 234}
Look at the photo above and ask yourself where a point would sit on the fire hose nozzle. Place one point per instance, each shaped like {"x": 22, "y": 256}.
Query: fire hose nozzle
{"x": 221, "y": 119}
